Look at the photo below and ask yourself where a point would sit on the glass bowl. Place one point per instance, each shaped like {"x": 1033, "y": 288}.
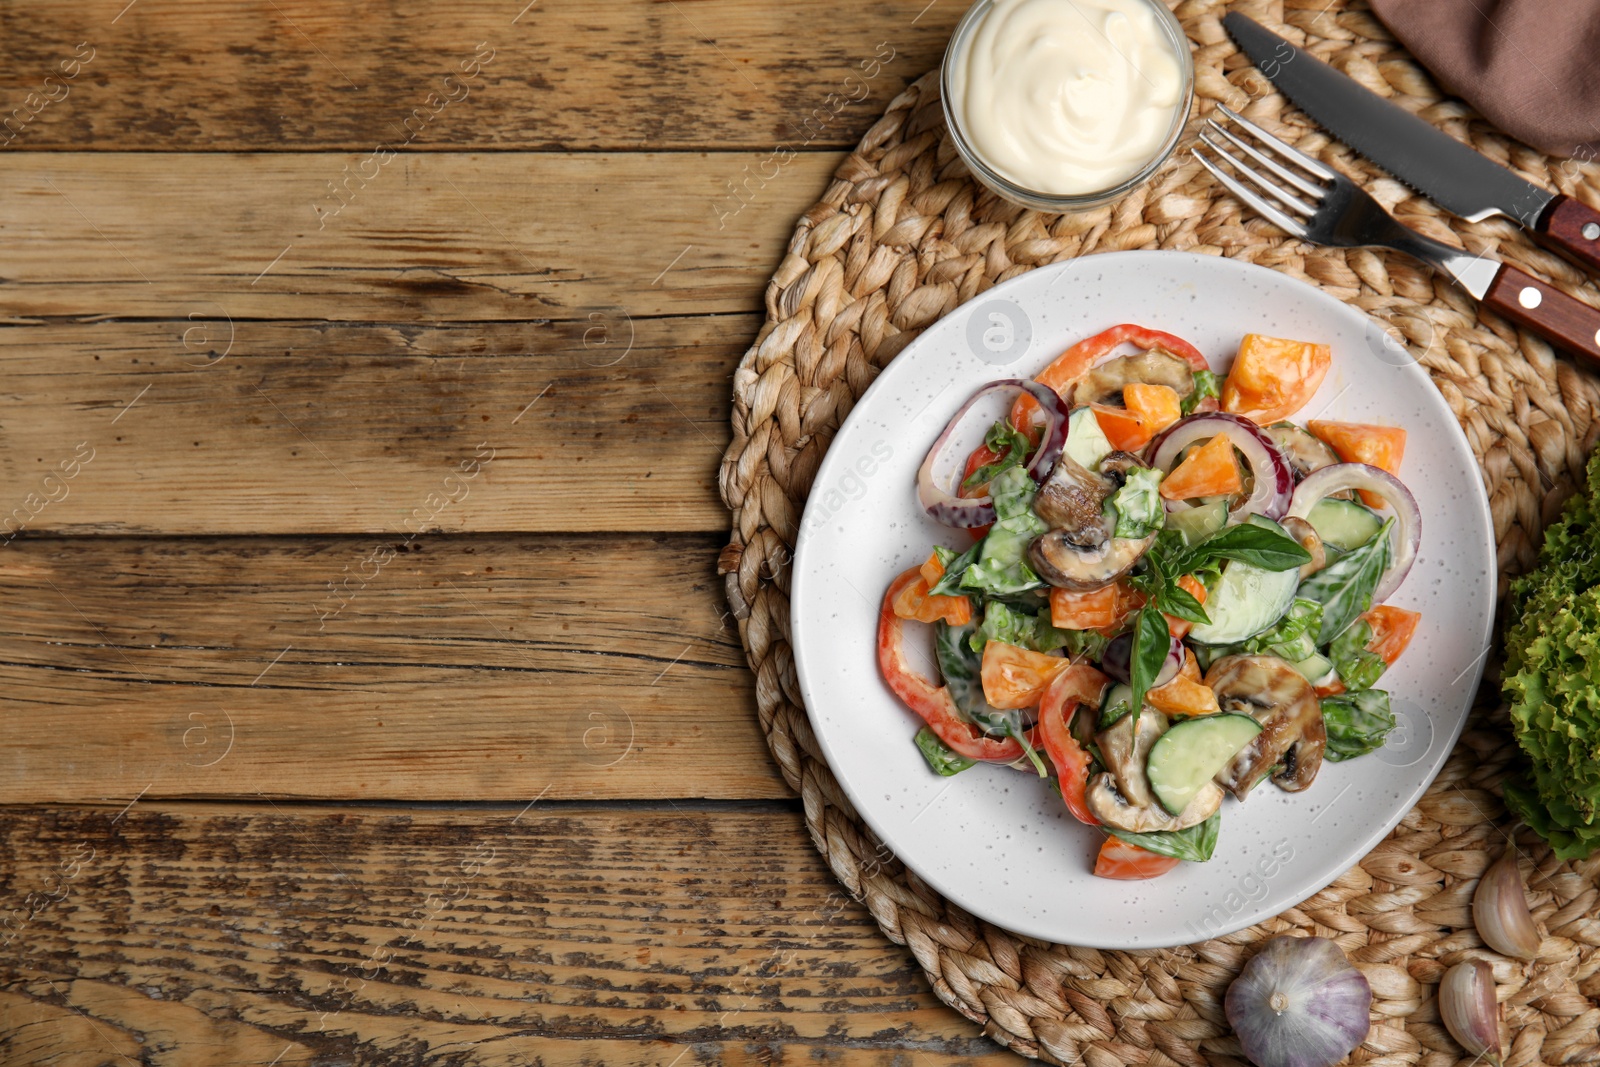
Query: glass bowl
{"x": 1060, "y": 202}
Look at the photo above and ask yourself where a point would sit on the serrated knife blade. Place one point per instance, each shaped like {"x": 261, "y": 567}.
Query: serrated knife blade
{"x": 1426, "y": 158}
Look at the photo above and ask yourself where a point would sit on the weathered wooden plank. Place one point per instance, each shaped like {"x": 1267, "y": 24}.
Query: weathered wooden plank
{"x": 207, "y": 426}
{"x": 428, "y": 668}
{"x": 349, "y": 74}
{"x": 432, "y": 236}
{"x": 565, "y": 934}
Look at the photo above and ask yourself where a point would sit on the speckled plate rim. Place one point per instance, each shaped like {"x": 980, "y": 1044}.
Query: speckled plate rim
{"x": 1185, "y": 910}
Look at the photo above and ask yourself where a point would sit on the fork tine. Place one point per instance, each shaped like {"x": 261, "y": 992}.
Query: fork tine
{"x": 1287, "y": 199}
{"x": 1278, "y": 218}
{"x": 1314, "y": 192}
{"x": 1279, "y": 146}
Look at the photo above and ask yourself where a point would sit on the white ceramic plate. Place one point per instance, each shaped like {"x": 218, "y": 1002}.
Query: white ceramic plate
{"x": 1000, "y": 843}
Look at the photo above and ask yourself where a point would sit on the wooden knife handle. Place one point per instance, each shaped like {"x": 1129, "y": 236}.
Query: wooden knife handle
{"x": 1572, "y": 229}
{"x": 1547, "y": 311}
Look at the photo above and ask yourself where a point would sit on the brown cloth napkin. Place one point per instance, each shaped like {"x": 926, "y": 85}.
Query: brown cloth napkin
{"x": 1531, "y": 67}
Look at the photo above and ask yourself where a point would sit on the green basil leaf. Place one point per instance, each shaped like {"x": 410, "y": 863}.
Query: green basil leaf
{"x": 1151, "y": 643}
{"x": 1247, "y": 543}
{"x": 1196, "y": 844}
{"x": 941, "y": 757}
{"x": 960, "y": 667}
{"x": 1344, "y": 588}
{"x": 1358, "y": 668}
{"x": 1357, "y": 723}
{"x": 1180, "y": 603}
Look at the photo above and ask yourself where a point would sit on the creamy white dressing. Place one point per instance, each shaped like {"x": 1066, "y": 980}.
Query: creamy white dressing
{"x": 1066, "y": 97}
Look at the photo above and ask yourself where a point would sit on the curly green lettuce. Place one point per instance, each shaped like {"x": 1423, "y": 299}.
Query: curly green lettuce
{"x": 1552, "y": 680}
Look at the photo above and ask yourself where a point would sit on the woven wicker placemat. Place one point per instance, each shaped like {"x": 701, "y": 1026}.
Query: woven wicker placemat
{"x": 901, "y": 237}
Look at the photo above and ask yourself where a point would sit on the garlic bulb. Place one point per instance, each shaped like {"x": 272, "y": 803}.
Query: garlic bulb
{"x": 1299, "y": 1003}
{"x": 1500, "y": 910}
{"x": 1469, "y": 1009}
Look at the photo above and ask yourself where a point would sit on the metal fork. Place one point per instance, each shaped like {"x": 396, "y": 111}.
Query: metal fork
{"x": 1317, "y": 204}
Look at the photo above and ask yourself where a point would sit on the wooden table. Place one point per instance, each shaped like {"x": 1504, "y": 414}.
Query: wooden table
{"x": 370, "y": 694}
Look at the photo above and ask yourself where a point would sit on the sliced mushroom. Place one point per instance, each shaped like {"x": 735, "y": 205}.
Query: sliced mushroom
{"x": 1072, "y": 499}
{"x": 1277, "y": 696}
{"x": 1112, "y": 808}
{"x": 1066, "y": 565}
{"x": 1306, "y": 534}
{"x": 1104, "y": 384}
{"x": 1126, "y": 746}
{"x": 1115, "y": 467}
{"x": 1303, "y": 759}
{"x": 1304, "y": 451}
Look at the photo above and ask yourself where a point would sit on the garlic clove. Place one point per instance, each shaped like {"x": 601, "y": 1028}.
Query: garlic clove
{"x": 1500, "y": 910}
{"x": 1469, "y": 1009}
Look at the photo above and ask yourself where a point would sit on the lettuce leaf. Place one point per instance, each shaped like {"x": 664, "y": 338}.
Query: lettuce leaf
{"x": 1552, "y": 681}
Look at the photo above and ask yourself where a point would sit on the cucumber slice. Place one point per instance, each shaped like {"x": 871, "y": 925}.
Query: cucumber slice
{"x": 1198, "y": 523}
{"x": 1315, "y": 667}
{"x": 1115, "y": 705}
{"x": 1086, "y": 441}
{"x": 1190, "y": 754}
{"x": 1344, "y": 524}
{"x": 1246, "y": 599}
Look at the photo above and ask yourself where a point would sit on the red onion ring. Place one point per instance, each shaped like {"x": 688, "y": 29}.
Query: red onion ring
{"x": 1274, "y": 478}
{"x": 945, "y": 507}
{"x": 1408, "y": 517}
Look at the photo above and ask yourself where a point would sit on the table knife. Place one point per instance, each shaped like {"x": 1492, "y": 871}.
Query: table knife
{"x": 1450, "y": 173}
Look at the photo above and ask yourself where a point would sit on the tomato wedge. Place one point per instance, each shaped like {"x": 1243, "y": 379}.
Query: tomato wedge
{"x": 1392, "y": 629}
{"x": 1130, "y": 863}
{"x": 1157, "y": 406}
{"x": 914, "y": 602}
{"x": 1125, "y": 430}
{"x": 1272, "y": 378}
{"x": 1183, "y": 696}
{"x": 1084, "y": 611}
{"x": 1062, "y": 374}
{"x": 1016, "y": 677}
{"x": 932, "y": 704}
{"x": 1210, "y": 470}
{"x": 1077, "y": 685}
{"x": 1359, "y": 442}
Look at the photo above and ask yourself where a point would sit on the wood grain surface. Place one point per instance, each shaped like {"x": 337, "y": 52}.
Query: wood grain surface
{"x": 210, "y": 75}
{"x": 553, "y": 934}
{"x": 455, "y": 236}
{"x": 367, "y": 371}
{"x": 208, "y": 427}
{"x": 432, "y": 669}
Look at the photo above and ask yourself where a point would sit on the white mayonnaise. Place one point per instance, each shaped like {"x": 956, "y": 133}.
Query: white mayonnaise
{"x": 1066, "y": 97}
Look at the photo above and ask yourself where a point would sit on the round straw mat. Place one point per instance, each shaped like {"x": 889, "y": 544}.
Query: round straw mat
{"x": 902, "y": 236}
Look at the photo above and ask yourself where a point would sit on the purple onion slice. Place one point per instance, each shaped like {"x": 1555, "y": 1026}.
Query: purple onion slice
{"x": 1274, "y": 478}
{"x": 965, "y": 512}
{"x": 1408, "y": 517}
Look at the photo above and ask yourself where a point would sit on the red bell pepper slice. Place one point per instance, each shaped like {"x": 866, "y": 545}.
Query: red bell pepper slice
{"x": 1077, "y": 685}
{"x": 933, "y": 704}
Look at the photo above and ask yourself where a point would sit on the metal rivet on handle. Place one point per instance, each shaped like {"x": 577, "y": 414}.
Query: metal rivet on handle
{"x": 1529, "y": 297}
{"x": 1597, "y": 338}
{"x": 1591, "y": 231}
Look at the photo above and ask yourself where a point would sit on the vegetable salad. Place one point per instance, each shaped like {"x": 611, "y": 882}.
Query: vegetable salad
{"x": 1171, "y": 592}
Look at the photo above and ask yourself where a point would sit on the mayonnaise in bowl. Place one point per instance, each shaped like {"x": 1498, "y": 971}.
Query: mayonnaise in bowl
{"x": 1068, "y": 100}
